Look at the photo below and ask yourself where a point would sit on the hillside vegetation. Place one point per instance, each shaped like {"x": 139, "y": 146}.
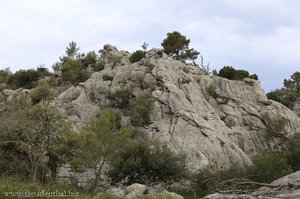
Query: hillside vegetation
{"x": 153, "y": 117}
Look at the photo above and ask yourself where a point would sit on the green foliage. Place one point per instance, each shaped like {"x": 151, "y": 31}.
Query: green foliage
{"x": 90, "y": 59}
{"x": 229, "y": 72}
{"x": 241, "y": 74}
{"x": 23, "y": 78}
{"x": 107, "y": 195}
{"x": 269, "y": 166}
{"x": 15, "y": 184}
{"x": 98, "y": 66}
{"x": 206, "y": 181}
{"x": 72, "y": 50}
{"x": 141, "y": 109}
{"x": 72, "y": 71}
{"x": 33, "y": 135}
{"x": 289, "y": 93}
{"x": 253, "y": 76}
{"x": 148, "y": 163}
{"x": 97, "y": 145}
{"x": 120, "y": 97}
{"x": 4, "y": 75}
{"x": 186, "y": 70}
{"x": 212, "y": 90}
{"x": 293, "y": 152}
{"x": 43, "y": 72}
{"x": 43, "y": 93}
{"x": 293, "y": 83}
{"x": 275, "y": 126}
{"x": 177, "y": 47}
{"x": 137, "y": 56}
{"x": 283, "y": 96}
{"x": 185, "y": 80}
{"x": 107, "y": 77}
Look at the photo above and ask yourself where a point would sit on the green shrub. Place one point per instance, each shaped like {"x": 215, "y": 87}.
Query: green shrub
{"x": 98, "y": 66}
{"x": 241, "y": 74}
{"x": 43, "y": 72}
{"x": 185, "y": 80}
{"x": 119, "y": 98}
{"x": 141, "y": 109}
{"x": 269, "y": 166}
{"x": 229, "y": 72}
{"x": 107, "y": 77}
{"x": 186, "y": 70}
{"x": 43, "y": 92}
{"x": 253, "y": 76}
{"x": 212, "y": 90}
{"x": 137, "y": 56}
{"x": 208, "y": 182}
{"x": 23, "y": 78}
{"x": 293, "y": 152}
{"x": 148, "y": 163}
{"x": 72, "y": 71}
{"x": 89, "y": 59}
{"x": 15, "y": 184}
{"x": 4, "y": 74}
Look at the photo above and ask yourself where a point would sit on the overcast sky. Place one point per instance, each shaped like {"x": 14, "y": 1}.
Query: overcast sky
{"x": 261, "y": 36}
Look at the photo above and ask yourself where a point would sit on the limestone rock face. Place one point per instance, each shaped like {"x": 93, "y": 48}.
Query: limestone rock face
{"x": 216, "y": 122}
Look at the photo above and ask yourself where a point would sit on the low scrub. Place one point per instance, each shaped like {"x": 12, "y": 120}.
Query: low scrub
{"x": 120, "y": 97}
{"x": 137, "y": 56}
{"x": 141, "y": 109}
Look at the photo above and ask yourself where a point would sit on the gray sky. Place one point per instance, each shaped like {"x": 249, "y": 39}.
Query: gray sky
{"x": 261, "y": 36}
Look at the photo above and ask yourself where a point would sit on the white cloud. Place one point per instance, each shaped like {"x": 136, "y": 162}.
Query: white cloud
{"x": 261, "y": 36}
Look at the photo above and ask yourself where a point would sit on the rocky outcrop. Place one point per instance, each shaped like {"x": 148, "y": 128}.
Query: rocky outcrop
{"x": 287, "y": 187}
{"x": 216, "y": 122}
{"x": 136, "y": 191}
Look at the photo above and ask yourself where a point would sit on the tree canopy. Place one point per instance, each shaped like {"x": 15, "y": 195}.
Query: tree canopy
{"x": 289, "y": 93}
{"x": 176, "y": 46}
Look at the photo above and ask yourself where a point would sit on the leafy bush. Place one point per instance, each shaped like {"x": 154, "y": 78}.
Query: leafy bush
{"x": 212, "y": 90}
{"x": 72, "y": 71}
{"x": 147, "y": 163}
{"x": 89, "y": 59}
{"x": 106, "y": 77}
{"x": 141, "y": 109}
{"x": 23, "y": 78}
{"x": 98, "y": 66}
{"x": 119, "y": 98}
{"x": 293, "y": 152}
{"x": 185, "y": 80}
{"x": 229, "y": 72}
{"x": 269, "y": 166}
{"x": 4, "y": 74}
{"x": 43, "y": 72}
{"x": 186, "y": 70}
{"x": 43, "y": 92}
{"x": 137, "y": 56}
{"x": 241, "y": 74}
{"x": 208, "y": 182}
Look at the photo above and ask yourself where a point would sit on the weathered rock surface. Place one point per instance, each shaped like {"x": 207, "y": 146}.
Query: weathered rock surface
{"x": 215, "y": 121}
{"x": 287, "y": 187}
{"x": 136, "y": 191}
